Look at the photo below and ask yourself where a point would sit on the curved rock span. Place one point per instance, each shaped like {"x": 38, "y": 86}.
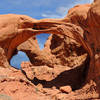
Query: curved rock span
{"x": 80, "y": 25}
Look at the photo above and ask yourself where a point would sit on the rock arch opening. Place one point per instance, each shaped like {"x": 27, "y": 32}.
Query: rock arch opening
{"x": 21, "y": 56}
{"x": 18, "y": 58}
{"x": 42, "y": 38}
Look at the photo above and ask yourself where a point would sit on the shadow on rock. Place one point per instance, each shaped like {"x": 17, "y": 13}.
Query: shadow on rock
{"x": 74, "y": 77}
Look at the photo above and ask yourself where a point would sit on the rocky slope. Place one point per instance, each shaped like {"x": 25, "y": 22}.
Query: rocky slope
{"x": 59, "y": 83}
{"x": 44, "y": 83}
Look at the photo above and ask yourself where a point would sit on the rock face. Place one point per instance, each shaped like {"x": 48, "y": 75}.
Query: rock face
{"x": 67, "y": 52}
{"x": 73, "y": 50}
{"x": 30, "y": 47}
{"x": 94, "y": 39}
{"x": 14, "y": 85}
{"x": 58, "y": 50}
{"x": 63, "y": 50}
{"x": 3, "y": 59}
{"x": 14, "y": 29}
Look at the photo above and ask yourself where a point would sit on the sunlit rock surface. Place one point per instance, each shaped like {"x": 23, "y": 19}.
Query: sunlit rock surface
{"x": 72, "y": 51}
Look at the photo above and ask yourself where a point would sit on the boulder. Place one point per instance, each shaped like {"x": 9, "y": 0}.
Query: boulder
{"x": 66, "y": 89}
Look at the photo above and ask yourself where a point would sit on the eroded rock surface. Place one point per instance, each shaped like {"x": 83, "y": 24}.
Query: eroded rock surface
{"x": 14, "y": 30}
{"x": 15, "y": 86}
{"x": 67, "y": 52}
{"x": 94, "y": 40}
{"x": 72, "y": 51}
{"x": 58, "y": 50}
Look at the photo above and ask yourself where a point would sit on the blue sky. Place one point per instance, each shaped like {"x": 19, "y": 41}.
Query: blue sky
{"x": 17, "y": 59}
{"x": 37, "y": 9}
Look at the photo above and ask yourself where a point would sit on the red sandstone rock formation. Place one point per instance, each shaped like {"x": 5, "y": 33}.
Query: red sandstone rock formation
{"x": 58, "y": 50}
{"x": 80, "y": 24}
{"x": 94, "y": 40}
{"x": 14, "y": 30}
{"x": 63, "y": 50}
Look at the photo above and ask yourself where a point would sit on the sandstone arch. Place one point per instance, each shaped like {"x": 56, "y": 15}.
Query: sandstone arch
{"x": 78, "y": 24}
{"x": 21, "y": 27}
{"x": 17, "y": 36}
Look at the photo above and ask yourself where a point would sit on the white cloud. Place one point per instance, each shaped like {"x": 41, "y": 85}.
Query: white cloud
{"x": 62, "y": 10}
{"x": 45, "y": 15}
{"x": 91, "y": 1}
{"x": 59, "y": 13}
